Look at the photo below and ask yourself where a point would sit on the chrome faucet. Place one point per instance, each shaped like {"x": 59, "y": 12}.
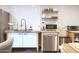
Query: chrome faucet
{"x": 24, "y": 23}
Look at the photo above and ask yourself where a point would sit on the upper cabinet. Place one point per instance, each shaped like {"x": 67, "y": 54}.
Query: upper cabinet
{"x": 50, "y": 13}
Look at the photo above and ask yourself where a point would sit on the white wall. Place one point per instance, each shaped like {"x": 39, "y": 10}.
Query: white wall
{"x": 68, "y": 15}
{"x": 30, "y": 13}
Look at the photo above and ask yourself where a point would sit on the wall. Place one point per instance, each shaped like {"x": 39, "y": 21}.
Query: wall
{"x": 68, "y": 15}
{"x": 6, "y": 7}
{"x": 30, "y": 13}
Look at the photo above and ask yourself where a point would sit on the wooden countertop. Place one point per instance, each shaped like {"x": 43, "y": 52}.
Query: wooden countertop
{"x": 70, "y": 48}
{"x": 74, "y": 31}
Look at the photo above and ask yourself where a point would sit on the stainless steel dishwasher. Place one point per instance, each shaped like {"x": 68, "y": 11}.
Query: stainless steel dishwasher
{"x": 49, "y": 41}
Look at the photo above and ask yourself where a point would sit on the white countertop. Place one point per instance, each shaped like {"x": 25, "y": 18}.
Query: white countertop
{"x": 21, "y": 31}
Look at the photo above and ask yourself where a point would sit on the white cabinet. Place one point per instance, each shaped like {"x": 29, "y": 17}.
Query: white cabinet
{"x": 24, "y": 39}
{"x": 30, "y": 40}
{"x": 17, "y": 39}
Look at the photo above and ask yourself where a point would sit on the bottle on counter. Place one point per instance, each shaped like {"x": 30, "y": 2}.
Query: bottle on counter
{"x": 30, "y": 27}
{"x": 43, "y": 25}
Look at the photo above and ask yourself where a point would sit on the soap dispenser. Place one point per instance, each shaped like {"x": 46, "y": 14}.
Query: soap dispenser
{"x": 30, "y": 27}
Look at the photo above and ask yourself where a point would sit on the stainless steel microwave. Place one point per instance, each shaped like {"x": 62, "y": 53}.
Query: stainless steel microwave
{"x": 51, "y": 26}
{"x": 72, "y": 28}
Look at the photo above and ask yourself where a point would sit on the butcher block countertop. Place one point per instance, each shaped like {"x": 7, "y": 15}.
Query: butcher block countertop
{"x": 70, "y": 48}
{"x": 74, "y": 31}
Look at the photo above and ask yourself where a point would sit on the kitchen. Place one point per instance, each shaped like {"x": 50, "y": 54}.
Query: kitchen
{"x": 26, "y": 22}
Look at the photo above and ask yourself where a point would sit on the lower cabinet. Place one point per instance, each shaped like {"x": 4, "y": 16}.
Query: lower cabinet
{"x": 17, "y": 39}
{"x": 24, "y": 39}
{"x": 30, "y": 40}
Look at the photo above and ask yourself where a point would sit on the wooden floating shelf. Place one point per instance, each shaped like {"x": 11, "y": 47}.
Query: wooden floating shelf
{"x": 44, "y": 12}
{"x": 50, "y": 14}
{"x": 51, "y": 18}
{"x": 49, "y": 10}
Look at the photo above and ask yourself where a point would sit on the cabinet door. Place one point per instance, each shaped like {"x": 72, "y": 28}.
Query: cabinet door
{"x": 30, "y": 40}
{"x": 17, "y": 39}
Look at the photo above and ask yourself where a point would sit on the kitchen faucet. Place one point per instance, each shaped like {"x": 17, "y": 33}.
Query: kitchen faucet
{"x": 23, "y": 23}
